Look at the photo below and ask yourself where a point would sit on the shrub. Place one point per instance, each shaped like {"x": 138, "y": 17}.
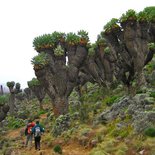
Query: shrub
{"x": 151, "y": 46}
{"x": 150, "y": 132}
{"x": 14, "y": 122}
{"x": 57, "y": 149}
{"x": 152, "y": 94}
{"x": 110, "y": 100}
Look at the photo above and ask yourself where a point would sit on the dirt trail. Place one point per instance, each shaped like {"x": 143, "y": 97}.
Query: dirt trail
{"x": 72, "y": 148}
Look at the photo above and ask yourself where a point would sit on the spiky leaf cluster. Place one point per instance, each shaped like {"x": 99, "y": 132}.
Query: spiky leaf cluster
{"x": 17, "y": 85}
{"x": 107, "y": 50}
{"x": 129, "y": 15}
{"x": 142, "y": 16}
{"x": 111, "y": 25}
{"x": 58, "y": 51}
{"x": 10, "y": 84}
{"x": 72, "y": 39}
{"x": 100, "y": 40}
{"x": 43, "y": 42}
{"x": 33, "y": 82}
{"x": 91, "y": 50}
{"x": 150, "y": 12}
{"x": 83, "y": 35}
{"x": 41, "y": 59}
{"x": 58, "y": 36}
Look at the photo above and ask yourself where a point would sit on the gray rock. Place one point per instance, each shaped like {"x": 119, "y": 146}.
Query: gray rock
{"x": 140, "y": 108}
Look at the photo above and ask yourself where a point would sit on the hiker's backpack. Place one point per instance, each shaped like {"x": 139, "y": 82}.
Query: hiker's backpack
{"x": 30, "y": 126}
{"x": 37, "y": 132}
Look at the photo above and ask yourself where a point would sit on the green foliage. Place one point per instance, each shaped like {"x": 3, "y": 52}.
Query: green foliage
{"x": 57, "y": 149}
{"x": 91, "y": 50}
{"x": 41, "y": 59}
{"x": 150, "y": 132}
{"x": 142, "y": 16}
{"x": 59, "y": 51}
{"x": 152, "y": 94}
{"x": 41, "y": 112}
{"x": 150, "y": 67}
{"x": 72, "y": 38}
{"x": 61, "y": 124}
{"x": 150, "y": 12}
{"x": 113, "y": 24}
{"x": 151, "y": 46}
{"x": 100, "y": 40}
{"x": 17, "y": 85}
{"x": 107, "y": 50}
{"x": 58, "y": 37}
{"x": 4, "y": 99}
{"x": 10, "y": 84}
{"x": 130, "y": 15}
{"x": 83, "y": 34}
{"x": 48, "y": 41}
{"x": 120, "y": 133}
{"x": 44, "y": 41}
{"x": 33, "y": 82}
{"x": 110, "y": 100}
{"x": 14, "y": 122}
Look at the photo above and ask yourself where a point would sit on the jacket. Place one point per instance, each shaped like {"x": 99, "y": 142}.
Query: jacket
{"x": 37, "y": 125}
{"x": 29, "y": 127}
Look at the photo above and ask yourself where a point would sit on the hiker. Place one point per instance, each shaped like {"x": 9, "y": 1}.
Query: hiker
{"x": 28, "y": 133}
{"x": 37, "y": 130}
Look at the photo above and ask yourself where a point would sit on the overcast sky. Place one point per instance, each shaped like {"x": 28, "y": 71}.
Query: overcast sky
{"x": 22, "y": 20}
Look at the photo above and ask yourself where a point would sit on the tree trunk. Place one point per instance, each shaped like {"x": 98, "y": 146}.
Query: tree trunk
{"x": 60, "y": 105}
{"x": 40, "y": 104}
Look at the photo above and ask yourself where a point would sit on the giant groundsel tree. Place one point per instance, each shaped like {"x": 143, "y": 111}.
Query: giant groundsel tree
{"x": 38, "y": 90}
{"x": 131, "y": 42}
{"x": 14, "y": 89}
{"x": 55, "y": 74}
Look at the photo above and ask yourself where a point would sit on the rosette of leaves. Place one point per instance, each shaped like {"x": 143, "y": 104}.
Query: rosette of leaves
{"x": 10, "y": 84}
{"x": 40, "y": 60}
{"x": 58, "y": 37}
{"x": 107, "y": 50}
{"x": 91, "y": 50}
{"x": 130, "y": 15}
{"x": 72, "y": 39}
{"x": 45, "y": 41}
{"x": 113, "y": 24}
{"x": 17, "y": 85}
{"x": 151, "y": 46}
{"x": 150, "y": 12}
{"x": 84, "y": 39}
{"x": 33, "y": 82}
{"x": 142, "y": 16}
{"x": 59, "y": 51}
{"x": 100, "y": 40}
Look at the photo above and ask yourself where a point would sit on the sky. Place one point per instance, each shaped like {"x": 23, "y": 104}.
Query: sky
{"x": 23, "y": 20}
